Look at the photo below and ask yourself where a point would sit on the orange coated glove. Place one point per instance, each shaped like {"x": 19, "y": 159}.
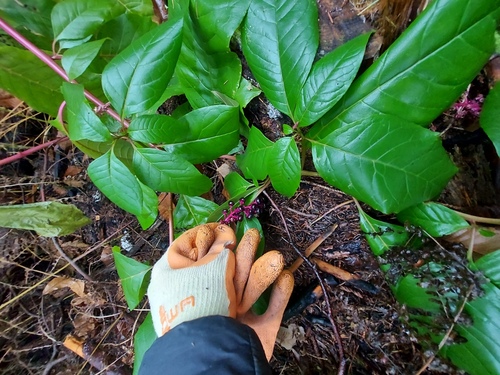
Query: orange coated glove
{"x": 200, "y": 275}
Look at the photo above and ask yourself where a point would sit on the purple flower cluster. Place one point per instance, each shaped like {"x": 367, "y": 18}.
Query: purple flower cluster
{"x": 235, "y": 214}
{"x": 468, "y": 106}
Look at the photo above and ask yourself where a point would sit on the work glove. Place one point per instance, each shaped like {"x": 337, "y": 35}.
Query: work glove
{"x": 200, "y": 275}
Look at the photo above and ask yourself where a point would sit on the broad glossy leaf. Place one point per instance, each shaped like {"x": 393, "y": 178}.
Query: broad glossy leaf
{"x": 152, "y": 128}
{"x": 384, "y": 162}
{"x": 279, "y": 40}
{"x": 140, "y": 7}
{"x": 381, "y": 236}
{"x": 254, "y": 162}
{"x": 425, "y": 70}
{"x": 235, "y": 184}
{"x": 490, "y": 266}
{"x": 135, "y": 79}
{"x": 328, "y": 81}
{"x": 490, "y": 116}
{"x": 246, "y": 92}
{"x": 205, "y": 133}
{"x": 49, "y": 219}
{"x": 284, "y": 166}
{"x": 26, "y": 77}
{"x": 82, "y": 121}
{"x": 408, "y": 291}
{"x": 122, "y": 31}
{"x": 143, "y": 339}
{"x": 74, "y": 21}
{"x": 434, "y": 218}
{"x": 31, "y": 18}
{"x": 192, "y": 211}
{"x": 480, "y": 354}
{"x": 167, "y": 172}
{"x": 134, "y": 277}
{"x": 218, "y": 20}
{"x": 93, "y": 149}
{"x": 203, "y": 72}
{"x": 118, "y": 183}
{"x": 77, "y": 59}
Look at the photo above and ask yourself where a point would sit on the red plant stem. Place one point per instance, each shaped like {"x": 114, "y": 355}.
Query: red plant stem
{"x": 55, "y": 67}
{"x": 30, "y": 151}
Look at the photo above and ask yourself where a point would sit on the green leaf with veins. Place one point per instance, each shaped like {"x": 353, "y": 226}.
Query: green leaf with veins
{"x": 49, "y": 219}
{"x": 235, "y": 184}
{"x": 23, "y": 75}
{"x": 136, "y": 78}
{"x": 490, "y": 266}
{"x": 381, "y": 236}
{"x": 408, "y": 291}
{"x": 192, "y": 211}
{"x": 202, "y": 71}
{"x": 205, "y": 134}
{"x": 152, "y": 128}
{"x": 82, "y": 122}
{"x": 383, "y": 162}
{"x": 134, "y": 277}
{"x": 408, "y": 81}
{"x": 328, "y": 81}
{"x": 280, "y": 39}
{"x": 143, "y": 339}
{"x": 254, "y": 162}
{"x": 167, "y": 172}
{"x": 284, "y": 166}
{"x": 490, "y": 116}
{"x": 117, "y": 182}
{"x": 74, "y": 21}
{"x": 77, "y": 59}
{"x": 436, "y": 219}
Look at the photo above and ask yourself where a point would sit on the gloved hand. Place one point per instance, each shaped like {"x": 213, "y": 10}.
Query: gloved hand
{"x": 200, "y": 275}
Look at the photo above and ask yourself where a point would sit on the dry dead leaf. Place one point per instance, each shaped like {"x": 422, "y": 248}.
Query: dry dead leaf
{"x": 107, "y": 255}
{"x": 288, "y": 337}
{"x": 57, "y": 283}
{"x": 486, "y": 239}
{"x": 84, "y": 325}
{"x": 165, "y": 206}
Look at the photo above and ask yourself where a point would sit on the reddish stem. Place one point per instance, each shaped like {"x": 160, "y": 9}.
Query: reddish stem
{"x": 30, "y": 151}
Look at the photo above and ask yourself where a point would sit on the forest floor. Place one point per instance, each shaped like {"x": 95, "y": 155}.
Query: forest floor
{"x": 43, "y": 299}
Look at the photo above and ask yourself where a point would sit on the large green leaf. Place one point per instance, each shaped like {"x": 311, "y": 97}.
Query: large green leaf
{"x": 136, "y": 78}
{"x": 434, "y": 218}
{"x": 280, "y": 39}
{"x": 480, "y": 354}
{"x": 205, "y": 133}
{"x": 192, "y": 211}
{"x": 383, "y": 162}
{"x": 490, "y": 265}
{"x": 77, "y": 59}
{"x": 329, "y": 79}
{"x": 134, "y": 277}
{"x": 82, "y": 121}
{"x": 143, "y": 340}
{"x": 490, "y": 116}
{"x": 425, "y": 70}
{"x": 118, "y": 183}
{"x": 152, "y": 128}
{"x": 254, "y": 162}
{"x": 165, "y": 171}
{"x": 49, "y": 219}
{"x": 203, "y": 72}
{"x": 235, "y": 184}
{"x": 31, "y": 18}
{"x": 381, "y": 236}
{"x": 284, "y": 166}
{"x": 122, "y": 31}
{"x": 218, "y": 20}
{"x": 74, "y": 21}
{"x": 26, "y": 77}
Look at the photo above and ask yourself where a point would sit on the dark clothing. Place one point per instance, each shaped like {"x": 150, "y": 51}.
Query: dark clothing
{"x": 210, "y": 345}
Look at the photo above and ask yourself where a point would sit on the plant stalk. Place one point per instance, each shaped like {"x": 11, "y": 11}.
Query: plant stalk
{"x": 30, "y": 151}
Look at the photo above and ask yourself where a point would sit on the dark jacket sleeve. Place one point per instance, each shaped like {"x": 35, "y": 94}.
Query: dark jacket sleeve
{"x": 210, "y": 345}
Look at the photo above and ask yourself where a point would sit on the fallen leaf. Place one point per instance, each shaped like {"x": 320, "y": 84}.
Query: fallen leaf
{"x": 165, "y": 206}
{"x": 288, "y": 337}
{"x": 57, "y": 283}
{"x": 486, "y": 239}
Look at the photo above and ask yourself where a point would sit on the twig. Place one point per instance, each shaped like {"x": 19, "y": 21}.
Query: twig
{"x": 478, "y": 219}
{"x": 170, "y": 220}
{"x": 30, "y": 151}
{"x": 331, "y": 210}
{"x": 448, "y": 333}
{"x": 70, "y": 261}
{"x": 340, "y": 348}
